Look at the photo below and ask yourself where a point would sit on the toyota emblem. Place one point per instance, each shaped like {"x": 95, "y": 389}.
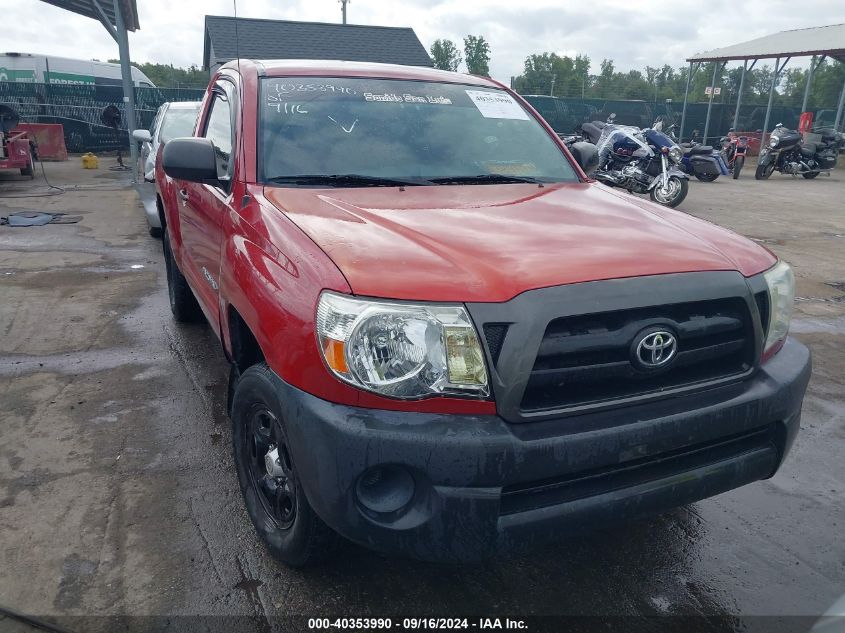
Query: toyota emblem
{"x": 654, "y": 349}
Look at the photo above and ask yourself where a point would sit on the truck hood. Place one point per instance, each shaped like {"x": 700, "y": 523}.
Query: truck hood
{"x": 493, "y": 242}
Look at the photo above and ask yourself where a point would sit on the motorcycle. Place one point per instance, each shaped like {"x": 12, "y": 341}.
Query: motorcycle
{"x": 734, "y": 149}
{"x": 640, "y": 161}
{"x": 789, "y": 154}
{"x": 702, "y": 161}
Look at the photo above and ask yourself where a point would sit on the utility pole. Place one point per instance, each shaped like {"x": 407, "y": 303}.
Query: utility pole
{"x": 343, "y": 9}
{"x": 552, "y": 91}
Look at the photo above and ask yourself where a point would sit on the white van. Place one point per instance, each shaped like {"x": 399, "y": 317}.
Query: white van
{"x": 34, "y": 68}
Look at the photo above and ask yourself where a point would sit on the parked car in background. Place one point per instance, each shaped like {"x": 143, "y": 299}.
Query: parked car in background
{"x": 444, "y": 338}
{"x": 172, "y": 120}
{"x": 49, "y": 69}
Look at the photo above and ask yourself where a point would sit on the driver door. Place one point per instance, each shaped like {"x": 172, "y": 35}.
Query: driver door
{"x": 203, "y": 207}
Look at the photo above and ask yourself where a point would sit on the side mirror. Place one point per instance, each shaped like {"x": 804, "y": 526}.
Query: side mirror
{"x": 191, "y": 159}
{"x": 586, "y": 155}
{"x": 142, "y": 136}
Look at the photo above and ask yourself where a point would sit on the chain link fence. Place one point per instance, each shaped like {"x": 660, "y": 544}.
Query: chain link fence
{"x": 566, "y": 114}
{"x": 79, "y": 108}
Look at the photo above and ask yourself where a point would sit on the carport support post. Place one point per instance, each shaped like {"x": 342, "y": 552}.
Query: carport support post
{"x": 838, "y": 120}
{"x": 128, "y": 85}
{"x": 686, "y": 97}
{"x": 710, "y": 103}
{"x": 769, "y": 107}
{"x": 739, "y": 94}
{"x": 809, "y": 82}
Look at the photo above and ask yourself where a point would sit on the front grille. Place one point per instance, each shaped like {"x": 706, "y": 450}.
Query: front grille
{"x": 494, "y": 333}
{"x": 587, "y": 359}
{"x": 598, "y": 481}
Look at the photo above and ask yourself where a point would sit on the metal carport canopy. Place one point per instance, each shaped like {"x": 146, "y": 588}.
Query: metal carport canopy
{"x": 822, "y": 41}
{"x": 117, "y": 17}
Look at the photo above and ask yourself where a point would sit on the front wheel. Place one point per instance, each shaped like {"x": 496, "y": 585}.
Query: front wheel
{"x": 707, "y": 177}
{"x": 672, "y": 193}
{"x": 268, "y": 477}
{"x": 764, "y": 171}
{"x": 739, "y": 161}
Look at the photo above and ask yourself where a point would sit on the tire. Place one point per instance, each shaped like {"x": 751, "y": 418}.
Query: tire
{"x": 764, "y": 171}
{"x": 707, "y": 177}
{"x": 29, "y": 170}
{"x": 286, "y": 524}
{"x": 183, "y": 303}
{"x": 155, "y": 231}
{"x": 810, "y": 175}
{"x": 679, "y": 187}
{"x": 739, "y": 162}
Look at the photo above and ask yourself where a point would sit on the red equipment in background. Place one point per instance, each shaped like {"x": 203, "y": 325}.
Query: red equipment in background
{"x": 16, "y": 153}
{"x": 15, "y": 149}
{"x": 805, "y": 122}
{"x": 49, "y": 139}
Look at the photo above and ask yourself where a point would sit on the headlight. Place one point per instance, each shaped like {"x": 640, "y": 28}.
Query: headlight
{"x": 774, "y": 139}
{"x": 676, "y": 154}
{"x": 781, "y": 284}
{"x": 401, "y": 350}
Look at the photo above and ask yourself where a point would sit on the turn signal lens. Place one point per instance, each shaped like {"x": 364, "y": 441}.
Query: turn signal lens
{"x": 335, "y": 353}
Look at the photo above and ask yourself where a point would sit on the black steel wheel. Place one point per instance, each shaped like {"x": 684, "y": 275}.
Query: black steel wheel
{"x": 269, "y": 480}
{"x": 271, "y": 473}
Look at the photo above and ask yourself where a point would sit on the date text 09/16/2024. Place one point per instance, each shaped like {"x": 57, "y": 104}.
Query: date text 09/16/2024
{"x": 415, "y": 624}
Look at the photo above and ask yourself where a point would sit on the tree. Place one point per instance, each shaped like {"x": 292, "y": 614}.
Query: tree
{"x": 446, "y": 55}
{"x": 604, "y": 82}
{"x": 166, "y": 76}
{"x": 477, "y": 55}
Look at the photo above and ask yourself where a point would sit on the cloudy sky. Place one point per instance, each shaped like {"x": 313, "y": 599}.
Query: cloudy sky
{"x": 633, "y": 34}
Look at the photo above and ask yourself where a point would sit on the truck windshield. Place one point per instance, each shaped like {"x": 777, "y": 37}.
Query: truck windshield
{"x": 368, "y": 132}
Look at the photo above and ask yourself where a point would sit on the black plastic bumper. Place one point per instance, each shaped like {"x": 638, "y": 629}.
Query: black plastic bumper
{"x": 481, "y": 483}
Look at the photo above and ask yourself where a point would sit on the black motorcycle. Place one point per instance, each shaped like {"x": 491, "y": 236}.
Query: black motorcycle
{"x": 788, "y": 153}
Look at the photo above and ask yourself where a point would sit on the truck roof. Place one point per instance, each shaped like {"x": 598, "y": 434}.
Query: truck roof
{"x": 338, "y": 68}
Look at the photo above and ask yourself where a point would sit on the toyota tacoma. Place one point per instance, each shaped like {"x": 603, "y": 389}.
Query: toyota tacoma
{"x": 444, "y": 337}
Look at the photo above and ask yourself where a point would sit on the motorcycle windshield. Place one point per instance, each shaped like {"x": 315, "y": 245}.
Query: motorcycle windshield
{"x": 612, "y": 135}
{"x": 658, "y": 138}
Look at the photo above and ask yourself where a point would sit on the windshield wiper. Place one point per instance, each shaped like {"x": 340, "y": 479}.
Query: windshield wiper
{"x": 482, "y": 179}
{"x": 346, "y": 180}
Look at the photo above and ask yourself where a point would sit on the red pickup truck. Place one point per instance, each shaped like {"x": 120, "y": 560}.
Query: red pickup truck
{"x": 444, "y": 337}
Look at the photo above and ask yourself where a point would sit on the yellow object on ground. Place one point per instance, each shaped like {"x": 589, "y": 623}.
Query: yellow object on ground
{"x": 89, "y": 161}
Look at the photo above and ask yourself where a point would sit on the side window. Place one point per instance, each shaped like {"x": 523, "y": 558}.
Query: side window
{"x": 154, "y": 124}
{"x": 218, "y": 130}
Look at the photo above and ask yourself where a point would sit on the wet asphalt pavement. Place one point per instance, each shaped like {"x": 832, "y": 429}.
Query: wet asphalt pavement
{"x": 118, "y": 495}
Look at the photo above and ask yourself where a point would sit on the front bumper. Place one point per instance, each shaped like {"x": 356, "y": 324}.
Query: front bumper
{"x": 481, "y": 483}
